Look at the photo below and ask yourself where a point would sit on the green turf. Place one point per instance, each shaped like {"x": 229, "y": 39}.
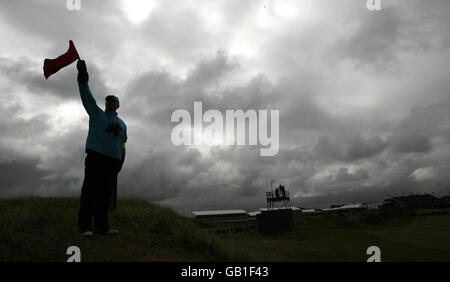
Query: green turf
{"x": 346, "y": 237}
{"x": 41, "y": 229}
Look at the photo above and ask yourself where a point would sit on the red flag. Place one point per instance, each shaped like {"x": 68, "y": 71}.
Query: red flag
{"x": 51, "y": 66}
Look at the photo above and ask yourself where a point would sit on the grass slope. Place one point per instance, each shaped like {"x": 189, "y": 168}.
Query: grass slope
{"x": 41, "y": 229}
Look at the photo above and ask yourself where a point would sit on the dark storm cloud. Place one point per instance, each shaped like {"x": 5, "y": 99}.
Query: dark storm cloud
{"x": 348, "y": 148}
{"x": 359, "y": 147}
{"x": 162, "y": 173}
{"x": 410, "y": 142}
{"x": 209, "y": 72}
{"x": 16, "y": 128}
{"x": 24, "y": 171}
{"x": 376, "y": 39}
{"x": 19, "y": 175}
{"x": 28, "y": 175}
{"x": 22, "y": 128}
{"x": 415, "y": 131}
{"x": 158, "y": 94}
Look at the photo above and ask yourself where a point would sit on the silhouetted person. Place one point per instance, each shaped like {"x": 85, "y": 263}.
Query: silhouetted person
{"x": 105, "y": 149}
{"x": 277, "y": 193}
{"x": 283, "y": 191}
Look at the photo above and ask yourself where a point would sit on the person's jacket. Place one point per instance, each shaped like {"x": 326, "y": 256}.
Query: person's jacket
{"x": 107, "y": 132}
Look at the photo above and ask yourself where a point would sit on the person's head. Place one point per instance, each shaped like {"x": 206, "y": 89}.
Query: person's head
{"x": 112, "y": 103}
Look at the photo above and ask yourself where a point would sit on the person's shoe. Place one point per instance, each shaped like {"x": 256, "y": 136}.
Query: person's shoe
{"x": 87, "y": 234}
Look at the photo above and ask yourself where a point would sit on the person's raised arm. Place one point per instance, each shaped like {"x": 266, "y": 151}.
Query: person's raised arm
{"x": 86, "y": 96}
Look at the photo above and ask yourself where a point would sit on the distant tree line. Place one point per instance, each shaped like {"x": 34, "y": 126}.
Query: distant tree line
{"x": 418, "y": 201}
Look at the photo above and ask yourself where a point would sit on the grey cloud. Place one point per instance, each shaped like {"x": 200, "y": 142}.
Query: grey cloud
{"x": 63, "y": 84}
{"x": 415, "y": 131}
{"x": 55, "y": 23}
{"x": 210, "y": 71}
{"x": 348, "y": 148}
{"x": 155, "y": 95}
{"x": 375, "y": 40}
{"x": 178, "y": 30}
{"x": 175, "y": 30}
{"x": 326, "y": 149}
{"x": 162, "y": 174}
{"x": 162, "y": 93}
{"x": 48, "y": 173}
{"x": 16, "y": 129}
{"x": 410, "y": 143}
{"x": 22, "y": 128}
{"x": 20, "y": 175}
{"x": 362, "y": 148}
{"x": 344, "y": 175}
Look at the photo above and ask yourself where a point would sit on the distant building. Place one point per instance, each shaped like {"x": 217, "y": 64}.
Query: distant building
{"x": 345, "y": 207}
{"x": 308, "y": 211}
{"x": 253, "y": 214}
{"x": 221, "y": 215}
{"x": 296, "y": 211}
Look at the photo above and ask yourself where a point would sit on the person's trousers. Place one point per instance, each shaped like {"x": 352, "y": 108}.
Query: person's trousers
{"x": 100, "y": 174}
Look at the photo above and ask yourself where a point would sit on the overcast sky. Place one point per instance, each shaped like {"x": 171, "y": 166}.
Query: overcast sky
{"x": 363, "y": 97}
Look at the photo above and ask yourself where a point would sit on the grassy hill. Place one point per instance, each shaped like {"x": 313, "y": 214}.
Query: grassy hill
{"x": 41, "y": 229}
